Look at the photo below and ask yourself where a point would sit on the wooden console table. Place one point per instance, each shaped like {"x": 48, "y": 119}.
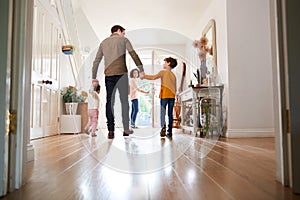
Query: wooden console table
{"x": 190, "y": 106}
{"x": 82, "y": 110}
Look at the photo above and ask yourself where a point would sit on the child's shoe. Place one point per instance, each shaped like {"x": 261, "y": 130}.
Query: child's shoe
{"x": 163, "y": 132}
{"x": 169, "y": 135}
{"x": 134, "y": 126}
{"x": 86, "y": 130}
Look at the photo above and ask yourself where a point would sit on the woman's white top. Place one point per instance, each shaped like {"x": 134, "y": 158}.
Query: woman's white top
{"x": 133, "y": 89}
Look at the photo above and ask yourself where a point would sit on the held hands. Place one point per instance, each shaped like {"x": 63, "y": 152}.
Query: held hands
{"x": 145, "y": 92}
{"x": 95, "y": 82}
{"x": 142, "y": 74}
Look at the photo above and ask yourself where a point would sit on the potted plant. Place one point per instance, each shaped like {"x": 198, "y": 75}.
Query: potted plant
{"x": 71, "y": 97}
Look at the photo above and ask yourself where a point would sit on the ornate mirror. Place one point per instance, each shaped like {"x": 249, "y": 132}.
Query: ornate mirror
{"x": 209, "y": 33}
{"x": 208, "y": 53}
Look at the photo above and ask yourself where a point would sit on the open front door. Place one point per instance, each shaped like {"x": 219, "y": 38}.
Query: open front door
{"x": 45, "y": 74}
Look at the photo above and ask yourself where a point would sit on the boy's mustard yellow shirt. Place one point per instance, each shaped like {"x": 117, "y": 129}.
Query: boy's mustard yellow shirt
{"x": 168, "y": 83}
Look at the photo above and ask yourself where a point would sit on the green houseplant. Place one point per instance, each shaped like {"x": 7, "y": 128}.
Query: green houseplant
{"x": 71, "y": 97}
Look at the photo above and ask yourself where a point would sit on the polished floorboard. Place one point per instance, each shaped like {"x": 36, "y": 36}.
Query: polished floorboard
{"x": 146, "y": 166}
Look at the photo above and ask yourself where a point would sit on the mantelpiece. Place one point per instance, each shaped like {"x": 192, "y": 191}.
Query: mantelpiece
{"x": 191, "y": 108}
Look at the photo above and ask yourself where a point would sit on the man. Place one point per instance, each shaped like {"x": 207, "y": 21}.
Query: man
{"x": 114, "y": 49}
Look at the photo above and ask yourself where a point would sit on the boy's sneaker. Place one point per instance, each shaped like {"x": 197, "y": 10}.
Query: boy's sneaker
{"x": 163, "y": 132}
{"x": 169, "y": 134}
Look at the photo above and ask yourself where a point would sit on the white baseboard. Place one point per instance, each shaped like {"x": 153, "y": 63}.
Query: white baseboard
{"x": 249, "y": 133}
{"x": 30, "y": 152}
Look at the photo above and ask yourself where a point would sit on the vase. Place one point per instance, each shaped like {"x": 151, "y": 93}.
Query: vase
{"x": 71, "y": 108}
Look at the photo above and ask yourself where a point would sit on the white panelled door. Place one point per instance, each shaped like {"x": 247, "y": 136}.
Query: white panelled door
{"x": 45, "y": 74}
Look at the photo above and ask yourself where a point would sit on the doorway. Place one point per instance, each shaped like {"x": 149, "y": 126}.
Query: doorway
{"x": 149, "y": 104}
{"x": 45, "y": 74}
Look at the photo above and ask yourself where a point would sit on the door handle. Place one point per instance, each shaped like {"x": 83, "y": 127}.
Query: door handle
{"x": 47, "y": 82}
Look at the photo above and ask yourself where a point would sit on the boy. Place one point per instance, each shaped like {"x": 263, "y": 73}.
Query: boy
{"x": 167, "y": 93}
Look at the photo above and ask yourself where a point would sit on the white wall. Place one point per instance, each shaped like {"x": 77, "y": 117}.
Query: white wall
{"x": 87, "y": 36}
{"x": 244, "y": 64}
{"x": 217, "y": 11}
{"x": 250, "y": 92}
{"x": 66, "y": 74}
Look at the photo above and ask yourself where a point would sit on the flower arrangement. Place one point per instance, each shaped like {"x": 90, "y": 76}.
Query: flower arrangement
{"x": 71, "y": 94}
{"x": 203, "y": 48}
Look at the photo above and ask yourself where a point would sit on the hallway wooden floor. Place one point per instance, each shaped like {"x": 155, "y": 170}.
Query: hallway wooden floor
{"x": 144, "y": 166}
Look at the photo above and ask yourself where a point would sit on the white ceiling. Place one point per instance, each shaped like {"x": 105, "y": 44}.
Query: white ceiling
{"x": 157, "y": 16}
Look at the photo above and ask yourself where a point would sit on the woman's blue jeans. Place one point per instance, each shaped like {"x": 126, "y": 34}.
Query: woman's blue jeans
{"x": 134, "y": 110}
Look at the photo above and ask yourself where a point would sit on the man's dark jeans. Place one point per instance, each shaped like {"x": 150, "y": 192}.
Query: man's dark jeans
{"x": 114, "y": 83}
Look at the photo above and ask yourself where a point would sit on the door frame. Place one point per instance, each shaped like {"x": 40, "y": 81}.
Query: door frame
{"x": 5, "y": 53}
{"x": 15, "y": 24}
{"x": 20, "y": 90}
{"x": 291, "y": 31}
{"x": 284, "y": 35}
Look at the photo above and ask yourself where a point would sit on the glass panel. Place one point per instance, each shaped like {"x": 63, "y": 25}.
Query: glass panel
{"x": 54, "y": 53}
{"x": 46, "y": 47}
{"x": 34, "y": 39}
{"x": 36, "y": 105}
{"x": 53, "y": 107}
{"x": 46, "y": 107}
{"x": 38, "y": 60}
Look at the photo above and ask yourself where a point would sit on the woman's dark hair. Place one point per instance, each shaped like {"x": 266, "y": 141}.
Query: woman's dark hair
{"x": 172, "y": 61}
{"x": 115, "y": 28}
{"x": 97, "y": 88}
{"x": 131, "y": 73}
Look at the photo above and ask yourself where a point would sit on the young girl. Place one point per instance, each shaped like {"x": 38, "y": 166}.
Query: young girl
{"x": 93, "y": 110}
{"x": 134, "y": 74}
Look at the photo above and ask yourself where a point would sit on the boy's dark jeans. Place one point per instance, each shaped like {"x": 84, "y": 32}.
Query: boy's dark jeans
{"x": 163, "y": 104}
{"x": 113, "y": 83}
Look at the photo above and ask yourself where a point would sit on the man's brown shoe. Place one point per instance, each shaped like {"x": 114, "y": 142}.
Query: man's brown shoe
{"x": 111, "y": 134}
{"x": 127, "y": 132}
